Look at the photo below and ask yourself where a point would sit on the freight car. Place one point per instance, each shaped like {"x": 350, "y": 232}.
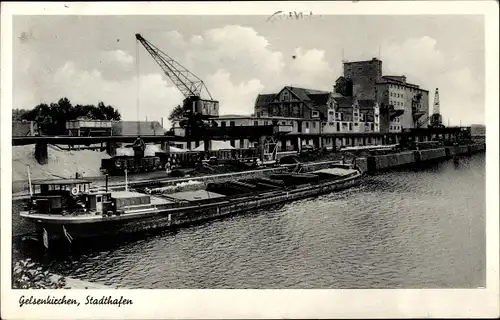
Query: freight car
{"x": 118, "y": 164}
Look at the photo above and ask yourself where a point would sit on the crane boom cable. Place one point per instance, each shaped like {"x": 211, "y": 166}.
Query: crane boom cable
{"x": 179, "y": 78}
{"x": 137, "y": 84}
{"x": 188, "y": 83}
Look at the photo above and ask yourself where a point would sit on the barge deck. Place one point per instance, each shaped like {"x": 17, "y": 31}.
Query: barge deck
{"x": 126, "y": 212}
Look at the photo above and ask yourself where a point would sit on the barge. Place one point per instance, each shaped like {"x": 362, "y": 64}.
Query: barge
{"x": 69, "y": 210}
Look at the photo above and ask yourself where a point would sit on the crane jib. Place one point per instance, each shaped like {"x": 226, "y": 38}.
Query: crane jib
{"x": 187, "y": 82}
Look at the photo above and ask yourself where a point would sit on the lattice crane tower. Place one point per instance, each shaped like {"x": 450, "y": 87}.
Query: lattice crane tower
{"x": 435, "y": 109}
{"x": 436, "y": 119}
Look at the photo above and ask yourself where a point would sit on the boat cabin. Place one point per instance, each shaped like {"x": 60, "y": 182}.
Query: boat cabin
{"x": 63, "y": 196}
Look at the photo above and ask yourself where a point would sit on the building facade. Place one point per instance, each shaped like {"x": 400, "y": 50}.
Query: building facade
{"x": 401, "y": 104}
{"x": 306, "y": 105}
{"x": 364, "y": 76}
{"x": 409, "y": 102}
{"x": 88, "y": 127}
{"x": 349, "y": 114}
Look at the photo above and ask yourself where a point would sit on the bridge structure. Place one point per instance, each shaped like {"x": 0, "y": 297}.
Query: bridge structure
{"x": 260, "y": 134}
{"x": 207, "y": 135}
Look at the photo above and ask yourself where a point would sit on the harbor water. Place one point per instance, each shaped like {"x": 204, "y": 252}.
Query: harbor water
{"x": 409, "y": 228}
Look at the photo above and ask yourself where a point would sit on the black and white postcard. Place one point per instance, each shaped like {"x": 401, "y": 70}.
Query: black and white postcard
{"x": 319, "y": 159}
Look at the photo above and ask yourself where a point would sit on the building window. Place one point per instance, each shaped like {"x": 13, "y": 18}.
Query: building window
{"x": 256, "y": 123}
{"x": 390, "y": 127}
{"x": 307, "y": 125}
{"x": 314, "y": 125}
{"x": 283, "y": 123}
{"x": 355, "y": 114}
{"x": 231, "y": 123}
{"x": 223, "y": 124}
{"x": 355, "y": 124}
{"x": 315, "y": 114}
{"x": 350, "y": 126}
{"x": 242, "y": 143}
{"x": 266, "y": 122}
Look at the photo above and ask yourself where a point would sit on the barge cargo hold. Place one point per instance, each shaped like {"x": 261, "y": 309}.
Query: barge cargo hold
{"x": 64, "y": 210}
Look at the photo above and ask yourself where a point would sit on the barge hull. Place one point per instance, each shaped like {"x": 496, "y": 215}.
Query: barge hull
{"x": 175, "y": 217}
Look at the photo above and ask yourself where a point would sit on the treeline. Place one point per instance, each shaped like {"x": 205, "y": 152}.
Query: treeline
{"x": 51, "y": 118}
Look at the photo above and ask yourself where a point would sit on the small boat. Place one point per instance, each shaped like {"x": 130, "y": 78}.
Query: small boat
{"x": 68, "y": 210}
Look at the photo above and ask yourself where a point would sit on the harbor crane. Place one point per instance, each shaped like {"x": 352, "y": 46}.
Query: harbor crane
{"x": 436, "y": 120}
{"x": 198, "y": 104}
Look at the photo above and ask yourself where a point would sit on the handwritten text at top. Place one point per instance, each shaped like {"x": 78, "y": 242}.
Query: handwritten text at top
{"x": 291, "y": 15}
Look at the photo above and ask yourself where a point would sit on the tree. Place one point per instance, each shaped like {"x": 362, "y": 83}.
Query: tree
{"x": 176, "y": 113}
{"x": 18, "y": 114}
{"x": 51, "y": 119}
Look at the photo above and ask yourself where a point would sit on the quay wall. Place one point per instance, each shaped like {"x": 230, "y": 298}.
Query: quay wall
{"x": 459, "y": 150}
{"x": 375, "y": 163}
{"x": 477, "y": 147}
{"x": 430, "y": 154}
{"x": 362, "y": 164}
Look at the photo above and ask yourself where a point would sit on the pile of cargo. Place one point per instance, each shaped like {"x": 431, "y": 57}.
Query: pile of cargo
{"x": 179, "y": 187}
{"x": 61, "y": 164}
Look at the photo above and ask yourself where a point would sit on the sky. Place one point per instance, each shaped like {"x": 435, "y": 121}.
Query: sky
{"x": 97, "y": 58}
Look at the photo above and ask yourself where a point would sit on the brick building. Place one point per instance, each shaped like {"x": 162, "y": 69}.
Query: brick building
{"x": 364, "y": 76}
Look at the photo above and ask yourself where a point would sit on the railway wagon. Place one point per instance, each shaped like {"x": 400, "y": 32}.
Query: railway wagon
{"x": 118, "y": 164}
{"x": 190, "y": 159}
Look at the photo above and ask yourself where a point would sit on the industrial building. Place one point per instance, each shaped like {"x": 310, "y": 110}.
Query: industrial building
{"x": 402, "y": 105}
{"x": 409, "y": 98}
{"x": 87, "y": 127}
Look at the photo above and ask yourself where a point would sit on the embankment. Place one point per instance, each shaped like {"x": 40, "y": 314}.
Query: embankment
{"x": 61, "y": 164}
